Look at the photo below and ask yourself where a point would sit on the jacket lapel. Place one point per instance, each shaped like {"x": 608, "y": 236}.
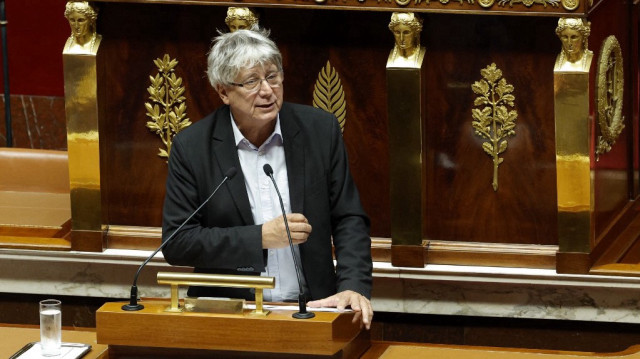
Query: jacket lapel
{"x": 294, "y": 155}
{"x": 226, "y": 154}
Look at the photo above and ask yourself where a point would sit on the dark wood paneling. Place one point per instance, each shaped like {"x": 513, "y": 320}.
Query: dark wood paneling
{"x": 505, "y": 332}
{"x": 134, "y": 36}
{"x": 357, "y": 47}
{"x": 612, "y": 173}
{"x": 135, "y": 176}
{"x": 461, "y": 203}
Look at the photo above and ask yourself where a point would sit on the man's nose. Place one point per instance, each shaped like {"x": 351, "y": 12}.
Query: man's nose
{"x": 265, "y": 87}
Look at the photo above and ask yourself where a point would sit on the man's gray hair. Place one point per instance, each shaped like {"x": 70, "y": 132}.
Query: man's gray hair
{"x": 233, "y": 51}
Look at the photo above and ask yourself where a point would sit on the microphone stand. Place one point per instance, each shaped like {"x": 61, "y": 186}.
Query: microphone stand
{"x": 133, "y": 298}
{"x": 5, "y": 68}
{"x": 302, "y": 302}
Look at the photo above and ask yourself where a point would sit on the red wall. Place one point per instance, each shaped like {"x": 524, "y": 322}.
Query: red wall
{"x": 36, "y": 33}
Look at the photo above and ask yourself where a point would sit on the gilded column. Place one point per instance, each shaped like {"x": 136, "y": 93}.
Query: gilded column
{"x": 405, "y": 114}
{"x": 82, "y": 112}
{"x": 573, "y": 147}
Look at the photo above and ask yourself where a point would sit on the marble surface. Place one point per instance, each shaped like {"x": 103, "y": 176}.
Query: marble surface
{"x": 37, "y": 122}
{"x": 434, "y": 289}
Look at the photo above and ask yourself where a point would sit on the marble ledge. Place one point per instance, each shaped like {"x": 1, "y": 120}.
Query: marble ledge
{"x": 434, "y": 289}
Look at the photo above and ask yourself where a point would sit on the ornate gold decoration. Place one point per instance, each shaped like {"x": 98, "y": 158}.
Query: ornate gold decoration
{"x": 489, "y": 3}
{"x": 444, "y": 2}
{"x": 570, "y": 5}
{"x": 82, "y": 16}
{"x": 529, "y": 3}
{"x": 486, "y": 3}
{"x": 239, "y": 18}
{"x": 609, "y": 89}
{"x": 328, "y": 94}
{"x": 575, "y": 55}
{"x": 493, "y": 120}
{"x": 407, "y": 52}
{"x": 166, "y": 90}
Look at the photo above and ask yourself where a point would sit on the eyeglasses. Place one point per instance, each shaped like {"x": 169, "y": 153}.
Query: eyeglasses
{"x": 273, "y": 79}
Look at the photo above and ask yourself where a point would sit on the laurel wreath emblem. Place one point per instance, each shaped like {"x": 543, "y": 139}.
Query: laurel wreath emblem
{"x": 166, "y": 92}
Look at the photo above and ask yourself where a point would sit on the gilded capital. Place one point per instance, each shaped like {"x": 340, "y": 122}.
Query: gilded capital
{"x": 575, "y": 55}
{"x": 241, "y": 18}
{"x": 82, "y": 16}
{"x": 407, "y": 52}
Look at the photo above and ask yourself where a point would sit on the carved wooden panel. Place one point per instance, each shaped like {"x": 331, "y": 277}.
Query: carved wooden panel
{"x": 613, "y": 184}
{"x": 461, "y": 203}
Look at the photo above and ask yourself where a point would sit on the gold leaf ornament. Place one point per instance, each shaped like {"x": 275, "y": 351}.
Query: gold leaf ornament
{"x": 167, "y": 109}
{"x": 493, "y": 120}
{"x": 328, "y": 94}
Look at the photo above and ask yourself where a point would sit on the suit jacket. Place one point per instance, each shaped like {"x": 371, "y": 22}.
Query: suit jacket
{"x": 222, "y": 237}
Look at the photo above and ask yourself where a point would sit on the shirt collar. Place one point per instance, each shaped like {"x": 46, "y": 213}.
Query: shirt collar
{"x": 239, "y": 137}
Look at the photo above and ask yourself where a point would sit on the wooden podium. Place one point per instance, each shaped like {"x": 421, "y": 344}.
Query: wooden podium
{"x": 155, "y": 333}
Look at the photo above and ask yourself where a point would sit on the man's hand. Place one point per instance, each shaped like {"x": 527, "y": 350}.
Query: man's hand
{"x": 274, "y": 232}
{"x": 359, "y": 303}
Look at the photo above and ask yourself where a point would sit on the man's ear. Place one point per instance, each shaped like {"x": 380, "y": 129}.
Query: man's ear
{"x": 222, "y": 92}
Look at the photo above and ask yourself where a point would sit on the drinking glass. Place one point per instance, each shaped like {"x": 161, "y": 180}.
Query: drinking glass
{"x": 50, "y": 327}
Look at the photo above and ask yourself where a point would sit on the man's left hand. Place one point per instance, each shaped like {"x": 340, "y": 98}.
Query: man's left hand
{"x": 358, "y": 303}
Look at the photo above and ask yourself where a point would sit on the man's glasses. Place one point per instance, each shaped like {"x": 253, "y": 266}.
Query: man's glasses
{"x": 273, "y": 79}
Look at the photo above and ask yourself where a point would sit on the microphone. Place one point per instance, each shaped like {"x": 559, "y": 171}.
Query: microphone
{"x": 133, "y": 299}
{"x": 302, "y": 303}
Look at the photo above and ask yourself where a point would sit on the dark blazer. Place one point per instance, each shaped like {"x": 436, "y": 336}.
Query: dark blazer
{"x": 222, "y": 237}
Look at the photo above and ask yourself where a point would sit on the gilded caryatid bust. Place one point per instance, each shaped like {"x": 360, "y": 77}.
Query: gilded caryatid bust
{"x": 407, "y": 52}
{"x": 82, "y": 16}
{"x": 574, "y": 36}
{"x": 240, "y": 18}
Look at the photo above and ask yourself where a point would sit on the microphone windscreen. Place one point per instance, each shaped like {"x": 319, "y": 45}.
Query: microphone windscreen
{"x": 230, "y": 172}
{"x": 267, "y": 169}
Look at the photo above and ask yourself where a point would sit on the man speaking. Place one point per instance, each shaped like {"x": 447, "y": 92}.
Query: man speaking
{"x": 242, "y": 230}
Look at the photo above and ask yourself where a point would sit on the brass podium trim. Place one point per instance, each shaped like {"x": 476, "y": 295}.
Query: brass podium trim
{"x": 217, "y": 280}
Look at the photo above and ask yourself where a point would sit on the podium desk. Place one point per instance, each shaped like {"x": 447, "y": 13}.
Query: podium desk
{"x": 155, "y": 332}
{"x": 13, "y": 338}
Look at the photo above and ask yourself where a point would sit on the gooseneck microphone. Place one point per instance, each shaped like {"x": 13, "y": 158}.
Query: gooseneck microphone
{"x": 133, "y": 299}
{"x": 302, "y": 303}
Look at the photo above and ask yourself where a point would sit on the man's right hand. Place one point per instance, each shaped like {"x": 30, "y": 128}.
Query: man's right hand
{"x": 274, "y": 232}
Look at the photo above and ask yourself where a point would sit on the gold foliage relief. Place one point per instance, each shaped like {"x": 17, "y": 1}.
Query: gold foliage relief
{"x": 492, "y": 119}
{"x": 167, "y": 109}
{"x": 328, "y": 94}
{"x": 609, "y": 88}
{"x": 567, "y": 4}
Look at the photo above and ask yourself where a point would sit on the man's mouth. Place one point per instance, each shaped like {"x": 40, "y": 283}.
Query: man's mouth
{"x": 269, "y": 105}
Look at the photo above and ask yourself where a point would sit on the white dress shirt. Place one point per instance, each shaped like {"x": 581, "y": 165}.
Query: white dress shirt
{"x": 265, "y": 205}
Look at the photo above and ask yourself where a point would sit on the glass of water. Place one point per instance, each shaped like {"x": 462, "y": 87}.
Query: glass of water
{"x": 50, "y": 327}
